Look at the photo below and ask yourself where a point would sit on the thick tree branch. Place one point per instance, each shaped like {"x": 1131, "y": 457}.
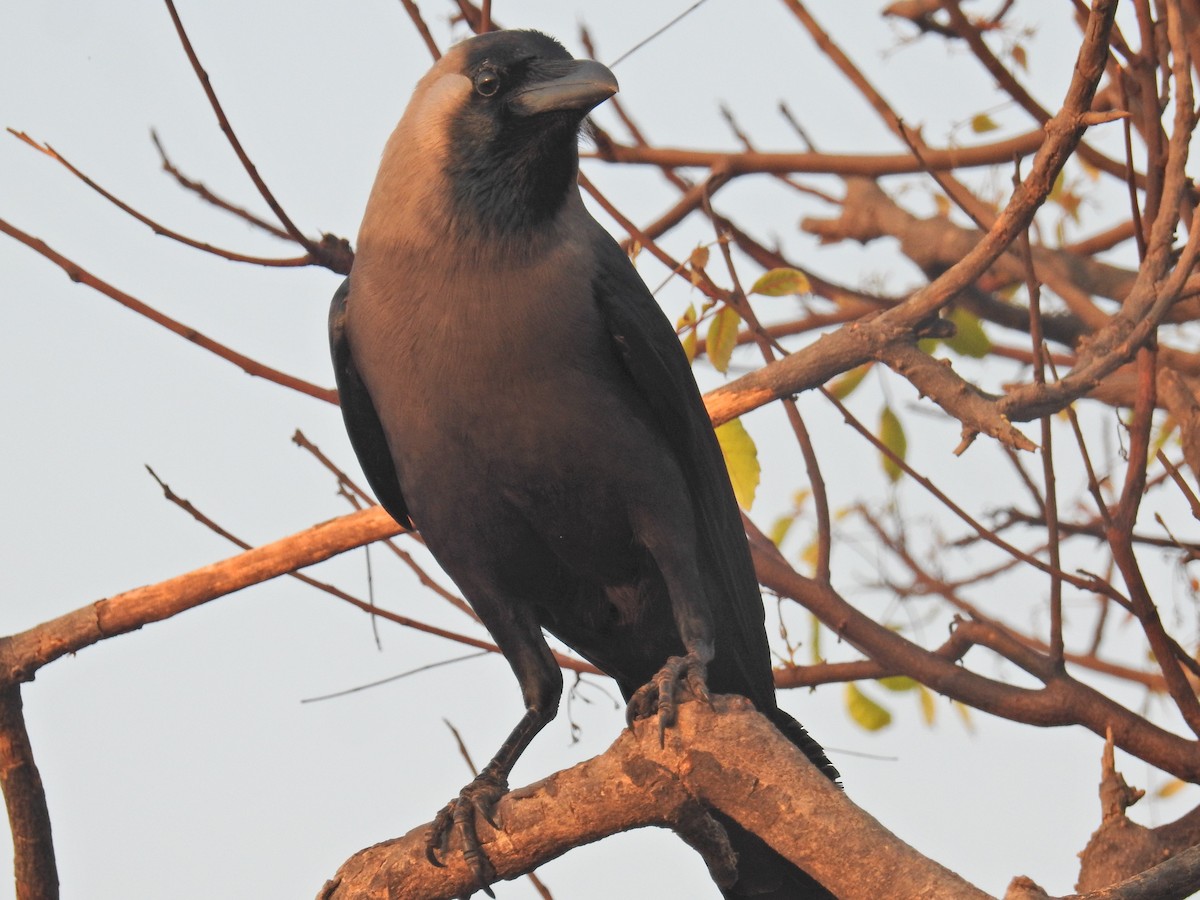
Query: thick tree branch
{"x": 731, "y": 759}
{"x": 33, "y": 847}
{"x": 867, "y": 165}
{"x": 1061, "y": 701}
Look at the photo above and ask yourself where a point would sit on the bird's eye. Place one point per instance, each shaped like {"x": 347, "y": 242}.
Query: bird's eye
{"x": 487, "y": 83}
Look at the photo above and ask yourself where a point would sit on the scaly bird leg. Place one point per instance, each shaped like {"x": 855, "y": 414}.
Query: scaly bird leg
{"x": 679, "y": 676}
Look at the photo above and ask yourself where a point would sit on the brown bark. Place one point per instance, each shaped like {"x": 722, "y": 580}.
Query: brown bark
{"x": 729, "y": 758}
{"x": 34, "y": 866}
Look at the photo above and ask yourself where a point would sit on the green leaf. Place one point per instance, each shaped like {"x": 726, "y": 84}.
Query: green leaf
{"x": 865, "y": 712}
{"x": 891, "y": 434}
{"x": 898, "y": 683}
{"x": 983, "y": 123}
{"x": 741, "y": 458}
{"x": 928, "y": 704}
{"x": 722, "y": 337}
{"x": 781, "y": 282}
{"x": 969, "y": 338}
{"x": 844, "y": 386}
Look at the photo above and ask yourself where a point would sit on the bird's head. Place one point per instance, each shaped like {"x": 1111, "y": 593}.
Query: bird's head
{"x": 490, "y": 137}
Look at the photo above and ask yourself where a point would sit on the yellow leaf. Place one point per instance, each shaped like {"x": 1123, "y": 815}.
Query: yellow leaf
{"x": 741, "y": 458}
{"x": 891, "y": 434}
{"x": 814, "y": 640}
{"x": 686, "y": 328}
{"x": 898, "y": 683}
{"x": 722, "y": 337}
{"x": 928, "y": 704}
{"x": 1172, "y": 787}
{"x": 810, "y": 555}
{"x": 699, "y": 258}
{"x": 964, "y": 713}
{"x": 781, "y": 282}
{"x": 779, "y": 531}
{"x": 845, "y": 384}
{"x": 865, "y": 712}
{"x": 983, "y": 123}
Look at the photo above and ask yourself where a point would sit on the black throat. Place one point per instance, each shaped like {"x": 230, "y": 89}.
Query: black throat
{"x": 512, "y": 176}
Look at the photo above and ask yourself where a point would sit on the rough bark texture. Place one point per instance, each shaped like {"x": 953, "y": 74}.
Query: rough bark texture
{"x": 33, "y": 848}
{"x": 730, "y": 758}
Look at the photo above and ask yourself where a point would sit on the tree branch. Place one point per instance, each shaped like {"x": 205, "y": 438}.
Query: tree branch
{"x": 731, "y": 759}
{"x": 33, "y": 846}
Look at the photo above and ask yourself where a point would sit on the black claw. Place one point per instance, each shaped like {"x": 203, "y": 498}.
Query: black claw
{"x": 660, "y": 694}
{"x": 477, "y": 799}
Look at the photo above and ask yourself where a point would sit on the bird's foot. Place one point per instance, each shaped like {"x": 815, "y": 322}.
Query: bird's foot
{"x": 660, "y": 695}
{"x": 458, "y": 817}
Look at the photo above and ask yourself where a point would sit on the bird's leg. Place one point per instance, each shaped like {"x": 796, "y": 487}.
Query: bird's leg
{"x": 679, "y": 675}
{"x": 541, "y": 685}
{"x": 479, "y": 799}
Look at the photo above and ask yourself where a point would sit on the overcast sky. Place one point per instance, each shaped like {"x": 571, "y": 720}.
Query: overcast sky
{"x": 179, "y": 760}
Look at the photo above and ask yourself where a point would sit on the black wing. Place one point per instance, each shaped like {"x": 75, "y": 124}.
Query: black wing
{"x": 654, "y": 358}
{"x": 362, "y": 422}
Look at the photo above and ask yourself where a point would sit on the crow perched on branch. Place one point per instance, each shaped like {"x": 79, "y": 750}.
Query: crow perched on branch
{"x": 512, "y": 388}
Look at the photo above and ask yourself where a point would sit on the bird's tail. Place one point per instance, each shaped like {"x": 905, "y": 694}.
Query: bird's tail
{"x": 764, "y": 874}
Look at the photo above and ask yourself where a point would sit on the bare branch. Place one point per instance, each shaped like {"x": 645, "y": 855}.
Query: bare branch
{"x": 251, "y": 367}
{"x": 296, "y": 234}
{"x": 28, "y": 816}
{"x": 731, "y": 759}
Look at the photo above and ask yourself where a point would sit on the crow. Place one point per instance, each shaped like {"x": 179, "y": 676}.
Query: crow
{"x": 512, "y": 389}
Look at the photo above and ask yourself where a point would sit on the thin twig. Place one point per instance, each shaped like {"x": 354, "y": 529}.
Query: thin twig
{"x": 161, "y": 230}
{"x": 296, "y": 234}
{"x": 251, "y": 367}
{"x": 190, "y": 509}
{"x": 208, "y": 196}
{"x": 414, "y": 13}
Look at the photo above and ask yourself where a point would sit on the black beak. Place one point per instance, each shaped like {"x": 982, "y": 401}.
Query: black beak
{"x": 578, "y": 84}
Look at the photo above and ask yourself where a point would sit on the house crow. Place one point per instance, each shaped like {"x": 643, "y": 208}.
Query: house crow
{"x": 511, "y": 388}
